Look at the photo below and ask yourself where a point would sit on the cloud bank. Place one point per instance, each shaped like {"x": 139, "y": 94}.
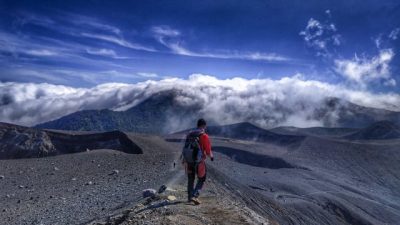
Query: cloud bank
{"x": 262, "y": 101}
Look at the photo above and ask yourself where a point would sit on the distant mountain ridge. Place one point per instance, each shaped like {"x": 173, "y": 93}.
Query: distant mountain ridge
{"x": 241, "y": 131}
{"x": 149, "y": 116}
{"x": 162, "y": 113}
{"x": 314, "y": 131}
{"x": 351, "y": 115}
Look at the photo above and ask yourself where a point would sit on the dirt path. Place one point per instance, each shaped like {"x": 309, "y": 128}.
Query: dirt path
{"x": 216, "y": 208}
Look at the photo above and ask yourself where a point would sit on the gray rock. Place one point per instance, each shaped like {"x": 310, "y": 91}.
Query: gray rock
{"x": 114, "y": 172}
{"x": 162, "y": 189}
{"x": 149, "y": 193}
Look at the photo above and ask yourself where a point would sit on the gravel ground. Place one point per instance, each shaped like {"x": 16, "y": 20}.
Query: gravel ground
{"x": 219, "y": 205}
{"x": 331, "y": 181}
{"x": 75, "y": 188}
{"x": 319, "y": 181}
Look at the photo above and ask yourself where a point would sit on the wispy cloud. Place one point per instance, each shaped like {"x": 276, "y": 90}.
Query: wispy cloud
{"x": 165, "y": 31}
{"x": 394, "y": 34}
{"x": 119, "y": 41}
{"x": 386, "y": 39}
{"x": 92, "y": 23}
{"x": 169, "y": 37}
{"x": 24, "y": 18}
{"x": 104, "y": 52}
{"x": 17, "y": 45}
{"x": 147, "y": 74}
{"x": 75, "y": 24}
{"x": 41, "y": 52}
{"x": 320, "y": 36}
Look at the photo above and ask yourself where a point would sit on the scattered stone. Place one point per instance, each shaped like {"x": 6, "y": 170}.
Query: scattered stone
{"x": 114, "y": 172}
{"x": 171, "y": 198}
{"x": 149, "y": 193}
{"x": 2, "y": 177}
{"x": 89, "y": 183}
{"x": 73, "y": 179}
{"x": 56, "y": 169}
{"x": 20, "y": 186}
{"x": 162, "y": 189}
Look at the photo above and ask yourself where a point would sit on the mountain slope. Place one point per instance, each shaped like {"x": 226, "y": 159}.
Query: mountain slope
{"x": 24, "y": 142}
{"x": 376, "y": 131}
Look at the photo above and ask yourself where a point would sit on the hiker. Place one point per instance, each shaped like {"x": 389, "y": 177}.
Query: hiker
{"x": 195, "y": 151}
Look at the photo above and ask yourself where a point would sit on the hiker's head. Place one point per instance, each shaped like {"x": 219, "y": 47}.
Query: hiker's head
{"x": 201, "y": 123}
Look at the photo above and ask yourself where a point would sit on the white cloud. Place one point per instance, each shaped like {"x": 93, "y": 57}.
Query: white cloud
{"x": 266, "y": 102}
{"x": 365, "y": 70}
{"x": 85, "y": 21}
{"x": 102, "y": 52}
{"x": 41, "y": 52}
{"x": 321, "y": 36}
{"x": 394, "y": 34}
{"x": 119, "y": 41}
{"x": 385, "y": 40}
{"x": 169, "y": 37}
{"x": 328, "y": 12}
{"x": 148, "y": 75}
{"x": 105, "y": 52}
{"x": 165, "y": 31}
{"x": 79, "y": 25}
{"x": 17, "y": 44}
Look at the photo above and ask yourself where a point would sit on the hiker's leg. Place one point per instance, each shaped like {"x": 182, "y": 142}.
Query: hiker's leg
{"x": 201, "y": 178}
{"x": 191, "y": 176}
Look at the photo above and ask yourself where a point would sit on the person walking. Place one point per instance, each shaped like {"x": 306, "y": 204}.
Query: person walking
{"x": 194, "y": 154}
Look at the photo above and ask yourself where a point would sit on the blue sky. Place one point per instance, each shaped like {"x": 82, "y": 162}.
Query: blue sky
{"x": 86, "y": 43}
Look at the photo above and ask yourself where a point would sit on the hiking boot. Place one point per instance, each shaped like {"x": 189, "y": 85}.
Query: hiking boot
{"x": 196, "y": 201}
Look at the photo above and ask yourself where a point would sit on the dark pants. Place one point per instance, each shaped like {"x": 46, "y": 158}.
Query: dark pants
{"x": 192, "y": 171}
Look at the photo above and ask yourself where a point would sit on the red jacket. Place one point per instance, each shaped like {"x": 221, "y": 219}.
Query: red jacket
{"x": 205, "y": 145}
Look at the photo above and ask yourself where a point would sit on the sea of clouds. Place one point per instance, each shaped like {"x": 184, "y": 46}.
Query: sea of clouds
{"x": 266, "y": 102}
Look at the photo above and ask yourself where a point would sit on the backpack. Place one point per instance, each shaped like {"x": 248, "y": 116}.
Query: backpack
{"x": 191, "y": 151}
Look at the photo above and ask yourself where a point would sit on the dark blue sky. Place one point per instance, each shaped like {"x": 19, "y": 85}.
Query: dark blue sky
{"x": 85, "y": 43}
